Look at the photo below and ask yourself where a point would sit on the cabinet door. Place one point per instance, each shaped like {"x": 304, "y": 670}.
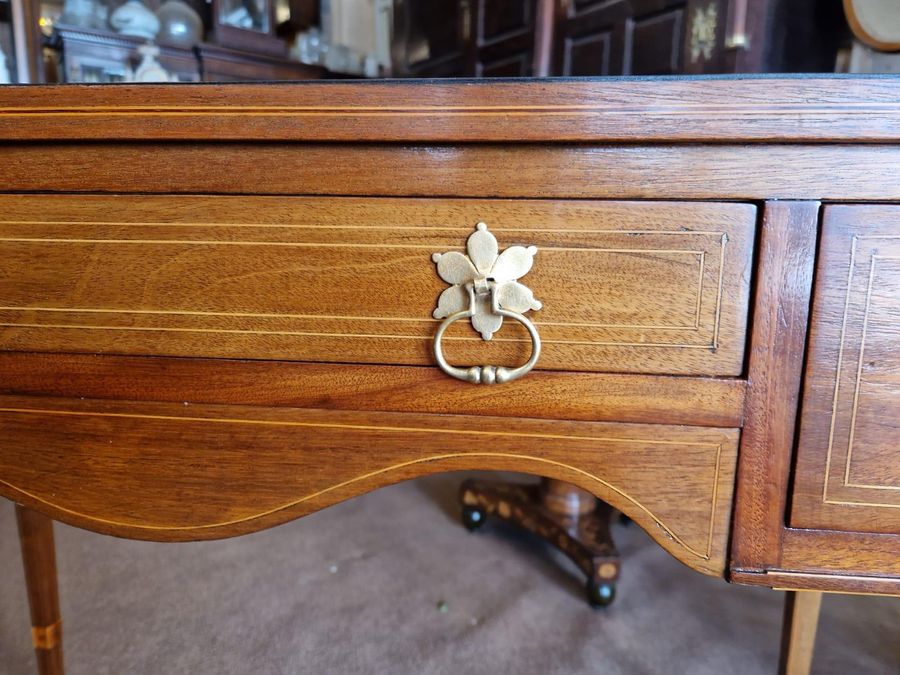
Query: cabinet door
{"x": 504, "y": 38}
{"x": 848, "y": 465}
{"x": 432, "y": 38}
{"x": 466, "y": 38}
{"x": 623, "y": 37}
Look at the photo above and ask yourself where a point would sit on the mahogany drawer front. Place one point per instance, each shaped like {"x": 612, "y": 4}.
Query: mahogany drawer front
{"x": 643, "y": 287}
{"x": 848, "y": 473}
{"x": 167, "y": 471}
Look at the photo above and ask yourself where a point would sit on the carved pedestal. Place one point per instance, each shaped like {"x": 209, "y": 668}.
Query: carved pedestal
{"x": 567, "y": 517}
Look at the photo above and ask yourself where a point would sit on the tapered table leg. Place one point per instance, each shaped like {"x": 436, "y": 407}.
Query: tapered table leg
{"x": 39, "y": 558}
{"x": 798, "y": 632}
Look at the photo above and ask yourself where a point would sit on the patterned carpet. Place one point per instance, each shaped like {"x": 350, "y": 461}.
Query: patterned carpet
{"x": 391, "y": 583}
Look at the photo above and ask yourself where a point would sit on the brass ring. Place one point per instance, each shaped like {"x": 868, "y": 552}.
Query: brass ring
{"x": 487, "y": 374}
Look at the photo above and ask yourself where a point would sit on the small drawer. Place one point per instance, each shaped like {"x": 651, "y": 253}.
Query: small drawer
{"x": 169, "y": 472}
{"x": 642, "y": 287}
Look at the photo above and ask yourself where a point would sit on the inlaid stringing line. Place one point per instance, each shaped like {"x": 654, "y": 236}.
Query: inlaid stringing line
{"x": 718, "y": 315}
{"x": 168, "y": 312}
{"x": 840, "y": 361}
{"x": 700, "y": 290}
{"x": 855, "y": 408}
{"x": 303, "y": 226}
{"x": 687, "y": 110}
{"x": 700, "y": 254}
{"x": 835, "y": 399}
{"x": 389, "y": 336}
{"x": 862, "y": 347}
{"x": 718, "y": 447}
{"x": 880, "y": 505}
{"x": 303, "y": 244}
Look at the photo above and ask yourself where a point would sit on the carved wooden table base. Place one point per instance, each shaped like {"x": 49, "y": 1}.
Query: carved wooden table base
{"x": 572, "y": 520}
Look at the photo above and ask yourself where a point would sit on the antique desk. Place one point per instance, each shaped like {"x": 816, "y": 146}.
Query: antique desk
{"x": 224, "y": 307}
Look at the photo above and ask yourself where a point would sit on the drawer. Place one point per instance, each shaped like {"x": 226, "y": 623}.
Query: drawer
{"x": 166, "y": 471}
{"x": 641, "y": 287}
{"x": 848, "y": 474}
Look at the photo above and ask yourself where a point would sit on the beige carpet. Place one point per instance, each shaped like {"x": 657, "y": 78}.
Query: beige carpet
{"x": 391, "y": 583}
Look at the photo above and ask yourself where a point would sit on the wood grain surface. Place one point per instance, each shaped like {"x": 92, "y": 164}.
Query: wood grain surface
{"x": 846, "y": 553}
{"x": 626, "y": 287}
{"x": 777, "y": 347}
{"x": 602, "y": 397}
{"x": 629, "y": 109}
{"x": 39, "y": 561}
{"x": 169, "y": 447}
{"x": 828, "y": 583}
{"x": 712, "y": 172}
{"x": 848, "y": 463}
{"x": 173, "y": 472}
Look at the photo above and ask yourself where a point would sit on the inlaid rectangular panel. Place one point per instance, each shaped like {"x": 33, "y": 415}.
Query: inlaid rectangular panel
{"x": 626, "y": 286}
{"x": 848, "y": 470}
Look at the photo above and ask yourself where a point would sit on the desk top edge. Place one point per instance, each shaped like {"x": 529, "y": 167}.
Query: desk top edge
{"x": 728, "y": 109}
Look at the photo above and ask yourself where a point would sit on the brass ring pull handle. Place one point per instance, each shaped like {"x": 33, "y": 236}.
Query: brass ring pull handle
{"x": 487, "y": 374}
{"x": 485, "y": 289}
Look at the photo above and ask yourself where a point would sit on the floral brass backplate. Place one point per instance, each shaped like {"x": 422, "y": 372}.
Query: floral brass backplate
{"x": 490, "y": 274}
{"x": 485, "y": 288}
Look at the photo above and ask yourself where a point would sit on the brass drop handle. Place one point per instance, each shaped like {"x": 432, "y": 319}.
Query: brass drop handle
{"x": 487, "y": 374}
{"x": 485, "y": 289}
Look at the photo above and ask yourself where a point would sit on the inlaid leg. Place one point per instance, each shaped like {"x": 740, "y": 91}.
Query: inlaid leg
{"x": 39, "y": 558}
{"x": 798, "y": 632}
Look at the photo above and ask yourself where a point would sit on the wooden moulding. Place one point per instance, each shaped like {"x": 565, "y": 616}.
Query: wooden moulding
{"x": 710, "y": 172}
{"x": 642, "y": 110}
{"x": 828, "y": 560}
{"x": 176, "y": 472}
{"x": 811, "y": 581}
{"x": 650, "y": 399}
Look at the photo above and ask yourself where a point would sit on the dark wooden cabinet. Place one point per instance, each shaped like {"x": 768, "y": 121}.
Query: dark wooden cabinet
{"x": 220, "y": 64}
{"x": 623, "y": 37}
{"x": 518, "y": 38}
{"x": 466, "y": 38}
{"x": 504, "y": 38}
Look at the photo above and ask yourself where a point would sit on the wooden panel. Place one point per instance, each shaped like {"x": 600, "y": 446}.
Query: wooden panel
{"x": 828, "y": 583}
{"x": 220, "y": 64}
{"x": 504, "y": 38}
{"x": 655, "y": 43}
{"x": 517, "y": 65}
{"x": 626, "y": 287}
{"x": 587, "y": 54}
{"x": 609, "y": 172}
{"x": 174, "y": 472}
{"x": 780, "y": 110}
{"x": 652, "y": 399}
{"x": 844, "y": 553}
{"x": 590, "y": 38}
{"x": 500, "y": 18}
{"x": 826, "y": 560}
{"x": 622, "y": 37}
{"x": 777, "y": 346}
{"x": 848, "y": 466}
{"x": 435, "y": 36}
